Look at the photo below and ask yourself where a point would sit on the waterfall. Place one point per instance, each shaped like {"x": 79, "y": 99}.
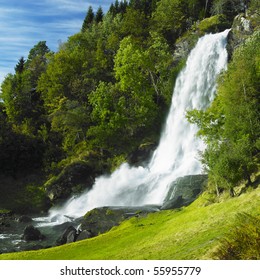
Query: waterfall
{"x": 177, "y": 152}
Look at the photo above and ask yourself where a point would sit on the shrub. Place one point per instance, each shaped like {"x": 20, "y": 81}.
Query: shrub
{"x": 243, "y": 241}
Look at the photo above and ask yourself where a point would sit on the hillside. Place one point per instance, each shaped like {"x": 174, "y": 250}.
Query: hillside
{"x": 194, "y": 232}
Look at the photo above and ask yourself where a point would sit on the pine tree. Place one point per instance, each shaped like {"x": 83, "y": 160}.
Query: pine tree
{"x": 88, "y": 19}
{"x": 99, "y": 15}
{"x": 117, "y": 6}
{"x": 20, "y": 65}
{"x": 122, "y": 6}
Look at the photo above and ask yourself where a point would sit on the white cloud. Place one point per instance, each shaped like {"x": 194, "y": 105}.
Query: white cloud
{"x": 24, "y": 23}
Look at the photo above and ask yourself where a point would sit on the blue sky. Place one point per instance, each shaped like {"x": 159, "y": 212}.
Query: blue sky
{"x": 23, "y": 23}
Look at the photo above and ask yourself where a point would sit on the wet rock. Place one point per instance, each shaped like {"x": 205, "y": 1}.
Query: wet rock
{"x": 85, "y": 234}
{"x": 31, "y": 234}
{"x": 73, "y": 179}
{"x": 183, "y": 191}
{"x": 242, "y": 28}
{"x": 100, "y": 220}
{"x": 24, "y": 219}
{"x": 141, "y": 155}
{"x": 68, "y": 236}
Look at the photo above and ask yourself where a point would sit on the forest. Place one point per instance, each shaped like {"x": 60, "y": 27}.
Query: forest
{"x": 70, "y": 115}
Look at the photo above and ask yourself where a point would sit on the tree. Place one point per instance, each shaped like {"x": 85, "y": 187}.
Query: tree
{"x": 99, "y": 15}
{"x": 230, "y": 8}
{"x": 135, "y": 23}
{"x": 126, "y": 108}
{"x": 23, "y": 103}
{"x": 37, "y": 62}
{"x": 20, "y": 65}
{"x": 170, "y": 19}
{"x": 90, "y": 16}
{"x": 231, "y": 126}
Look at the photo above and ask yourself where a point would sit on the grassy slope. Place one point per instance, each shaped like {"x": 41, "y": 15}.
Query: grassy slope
{"x": 190, "y": 233}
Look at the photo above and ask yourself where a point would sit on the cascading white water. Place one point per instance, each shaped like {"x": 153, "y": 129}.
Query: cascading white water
{"x": 177, "y": 153}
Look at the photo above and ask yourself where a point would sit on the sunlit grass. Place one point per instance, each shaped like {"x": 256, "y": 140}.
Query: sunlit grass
{"x": 193, "y": 232}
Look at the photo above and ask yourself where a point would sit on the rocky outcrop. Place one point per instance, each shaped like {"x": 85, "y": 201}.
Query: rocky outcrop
{"x": 24, "y": 219}
{"x": 244, "y": 25}
{"x": 187, "y": 42}
{"x": 142, "y": 155}
{"x": 85, "y": 234}
{"x": 100, "y": 220}
{"x": 31, "y": 234}
{"x": 184, "y": 191}
{"x": 74, "y": 178}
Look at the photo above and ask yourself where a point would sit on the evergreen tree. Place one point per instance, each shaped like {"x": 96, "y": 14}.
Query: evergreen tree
{"x": 88, "y": 19}
{"x": 99, "y": 15}
{"x": 112, "y": 10}
{"x": 122, "y": 6}
{"x": 117, "y": 6}
{"x": 20, "y": 65}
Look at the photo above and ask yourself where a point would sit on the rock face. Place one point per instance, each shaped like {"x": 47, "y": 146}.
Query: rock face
{"x": 85, "y": 234}
{"x": 74, "y": 178}
{"x": 142, "y": 155}
{"x": 183, "y": 191}
{"x": 242, "y": 28}
{"x": 24, "y": 219}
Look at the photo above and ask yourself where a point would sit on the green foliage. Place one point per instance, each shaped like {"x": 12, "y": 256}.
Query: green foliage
{"x": 124, "y": 112}
{"x": 229, "y": 8}
{"x": 23, "y": 103}
{"x": 231, "y": 126}
{"x": 71, "y": 120}
{"x": 37, "y": 62}
{"x": 173, "y": 18}
{"x": 215, "y": 23}
{"x": 243, "y": 240}
{"x": 108, "y": 88}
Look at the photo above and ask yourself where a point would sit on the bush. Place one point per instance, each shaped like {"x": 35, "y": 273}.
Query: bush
{"x": 243, "y": 241}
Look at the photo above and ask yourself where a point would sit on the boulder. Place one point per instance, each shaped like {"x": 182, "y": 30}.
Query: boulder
{"x": 24, "y": 219}
{"x": 31, "y": 234}
{"x": 183, "y": 191}
{"x": 242, "y": 28}
{"x": 85, "y": 234}
{"x": 68, "y": 236}
{"x": 100, "y": 220}
{"x": 74, "y": 179}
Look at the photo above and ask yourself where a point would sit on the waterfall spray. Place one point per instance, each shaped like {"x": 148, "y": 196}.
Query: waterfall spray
{"x": 177, "y": 152}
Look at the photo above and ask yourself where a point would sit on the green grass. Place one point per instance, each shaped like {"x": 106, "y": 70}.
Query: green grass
{"x": 193, "y": 232}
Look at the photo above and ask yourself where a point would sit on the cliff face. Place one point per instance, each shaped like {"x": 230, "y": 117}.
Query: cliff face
{"x": 243, "y": 26}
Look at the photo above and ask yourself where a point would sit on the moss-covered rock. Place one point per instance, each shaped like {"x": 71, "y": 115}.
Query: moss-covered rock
{"x": 187, "y": 42}
{"x": 242, "y": 28}
{"x": 214, "y": 24}
{"x": 184, "y": 190}
{"x": 100, "y": 220}
{"x": 74, "y": 178}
